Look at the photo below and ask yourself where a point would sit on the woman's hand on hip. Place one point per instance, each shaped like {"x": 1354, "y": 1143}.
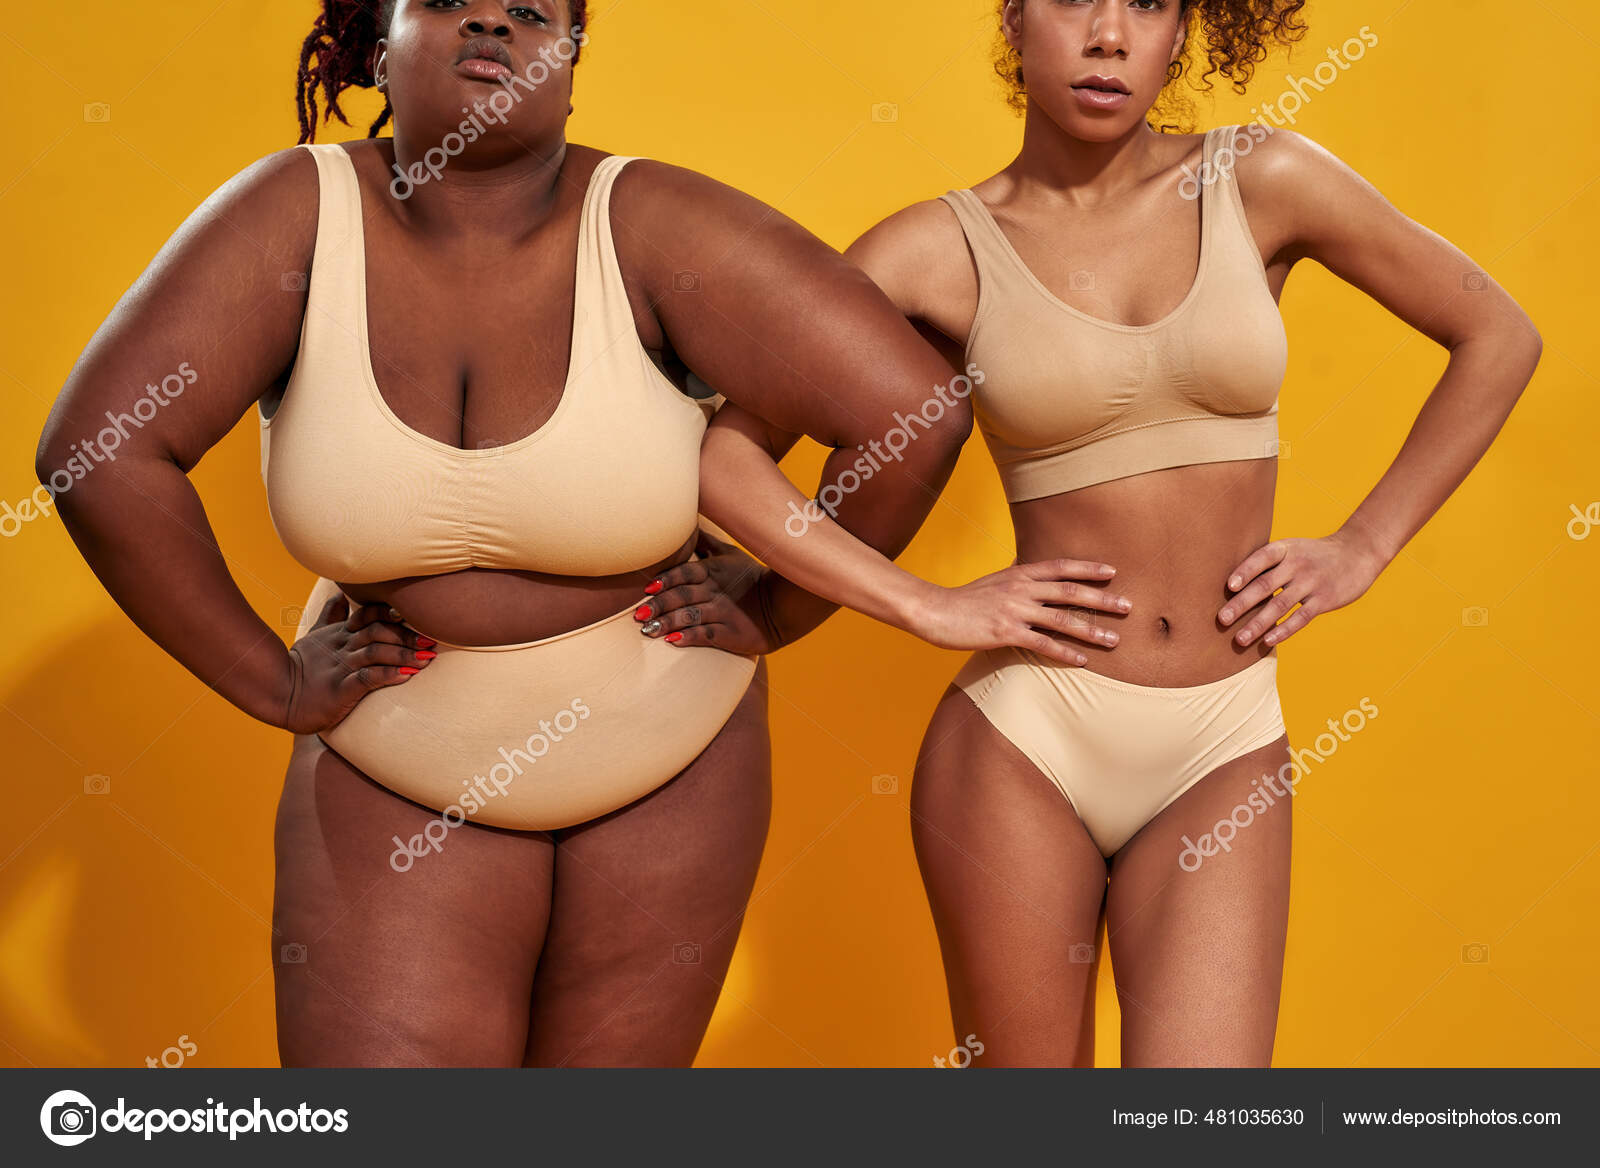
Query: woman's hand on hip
{"x": 1041, "y": 607}
{"x": 1319, "y": 575}
{"x": 713, "y": 600}
{"x": 345, "y": 656}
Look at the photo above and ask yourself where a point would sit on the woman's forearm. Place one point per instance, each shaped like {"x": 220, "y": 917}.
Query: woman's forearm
{"x": 886, "y": 519}
{"x": 1455, "y": 427}
{"x": 143, "y": 531}
{"x": 822, "y": 564}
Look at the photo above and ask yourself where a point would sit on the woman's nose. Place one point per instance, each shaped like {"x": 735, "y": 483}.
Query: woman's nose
{"x": 484, "y": 26}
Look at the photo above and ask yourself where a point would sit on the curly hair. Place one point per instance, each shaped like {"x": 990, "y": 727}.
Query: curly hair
{"x": 1233, "y": 37}
{"x": 339, "y": 53}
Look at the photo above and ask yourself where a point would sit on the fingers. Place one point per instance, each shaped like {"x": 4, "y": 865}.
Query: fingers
{"x": 1078, "y": 624}
{"x": 366, "y": 614}
{"x": 713, "y": 635}
{"x": 1049, "y": 648}
{"x": 371, "y": 623}
{"x": 337, "y": 609}
{"x": 1268, "y": 616}
{"x": 1301, "y": 617}
{"x": 715, "y": 610}
{"x": 387, "y": 653}
{"x": 1256, "y": 563}
{"x": 370, "y": 677}
{"x": 381, "y": 664}
{"x": 688, "y": 572}
{"x": 1259, "y": 590}
{"x": 1079, "y": 596}
{"x": 676, "y": 598}
{"x": 1064, "y": 570}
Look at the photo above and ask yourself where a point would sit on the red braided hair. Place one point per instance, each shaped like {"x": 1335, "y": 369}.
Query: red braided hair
{"x": 339, "y": 52}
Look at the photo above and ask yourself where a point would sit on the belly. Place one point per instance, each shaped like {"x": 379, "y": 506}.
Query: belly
{"x": 486, "y": 607}
{"x": 1174, "y": 537}
{"x": 543, "y": 736}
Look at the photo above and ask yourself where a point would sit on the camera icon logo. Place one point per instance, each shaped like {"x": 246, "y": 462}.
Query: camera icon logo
{"x": 1475, "y": 954}
{"x": 293, "y": 281}
{"x": 1081, "y": 954}
{"x": 293, "y": 953}
{"x": 67, "y": 1118}
{"x": 1083, "y": 618}
{"x": 97, "y": 784}
{"x": 885, "y": 111}
{"x": 1474, "y": 281}
{"x": 97, "y": 112}
{"x": 1082, "y": 281}
{"x": 1475, "y": 618}
{"x": 686, "y": 953}
{"x": 686, "y": 281}
{"x": 885, "y": 785}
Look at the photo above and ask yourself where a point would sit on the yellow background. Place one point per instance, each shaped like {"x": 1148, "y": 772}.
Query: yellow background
{"x": 1464, "y": 814}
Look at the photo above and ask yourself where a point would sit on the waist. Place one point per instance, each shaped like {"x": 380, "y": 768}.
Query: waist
{"x": 552, "y": 734}
{"x": 1174, "y": 537}
{"x": 487, "y": 608}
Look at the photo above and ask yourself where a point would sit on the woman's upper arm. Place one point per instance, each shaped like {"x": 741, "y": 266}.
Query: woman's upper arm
{"x": 220, "y": 306}
{"x": 1321, "y": 209}
{"x": 909, "y": 255}
{"x": 778, "y": 321}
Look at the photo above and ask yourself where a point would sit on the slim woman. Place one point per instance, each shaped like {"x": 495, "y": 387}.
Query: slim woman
{"x": 514, "y": 830}
{"x": 1118, "y": 287}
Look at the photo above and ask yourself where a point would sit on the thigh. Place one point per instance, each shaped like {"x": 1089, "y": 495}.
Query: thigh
{"x": 1197, "y": 940}
{"x": 647, "y": 908}
{"x": 385, "y": 958}
{"x": 1016, "y": 887}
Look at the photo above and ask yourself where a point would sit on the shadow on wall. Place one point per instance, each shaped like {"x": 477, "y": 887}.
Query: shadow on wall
{"x": 136, "y": 867}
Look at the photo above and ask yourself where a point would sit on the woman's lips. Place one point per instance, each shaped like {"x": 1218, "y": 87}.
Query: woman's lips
{"x": 1100, "y": 99}
{"x": 483, "y": 68}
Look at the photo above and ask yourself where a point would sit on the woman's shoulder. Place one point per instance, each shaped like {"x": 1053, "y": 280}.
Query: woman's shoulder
{"x": 680, "y": 187}
{"x": 283, "y": 174}
{"x": 271, "y": 202}
{"x": 918, "y": 255}
{"x": 1269, "y": 162}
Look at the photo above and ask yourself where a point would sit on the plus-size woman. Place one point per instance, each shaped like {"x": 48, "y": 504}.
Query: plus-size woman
{"x": 1119, "y": 286}
{"x": 514, "y": 830}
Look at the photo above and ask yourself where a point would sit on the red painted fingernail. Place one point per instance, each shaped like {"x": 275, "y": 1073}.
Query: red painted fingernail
{"x": 642, "y": 613}
{"x": 409, "y": 670}
{"x": 653, "y": 587}
{"x": 674, "y": 637}
{"x": 424, "y": 655}
{"x": 426, "y": 642}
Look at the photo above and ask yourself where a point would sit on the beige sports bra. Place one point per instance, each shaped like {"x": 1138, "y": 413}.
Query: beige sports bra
{"x": 609, "y": 484}
{"x": 1067, "y": 400}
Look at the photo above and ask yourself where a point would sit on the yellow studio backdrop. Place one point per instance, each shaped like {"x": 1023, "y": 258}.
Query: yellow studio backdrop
{"x": 1445, "y": 863}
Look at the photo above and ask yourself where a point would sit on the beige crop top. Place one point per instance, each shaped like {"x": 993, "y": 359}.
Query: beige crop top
{"x": 609, "y": 484}
{"x": 1068, "y": 400}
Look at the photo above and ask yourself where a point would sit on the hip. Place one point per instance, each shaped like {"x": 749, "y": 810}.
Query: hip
{"x": 546, "y": 733}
